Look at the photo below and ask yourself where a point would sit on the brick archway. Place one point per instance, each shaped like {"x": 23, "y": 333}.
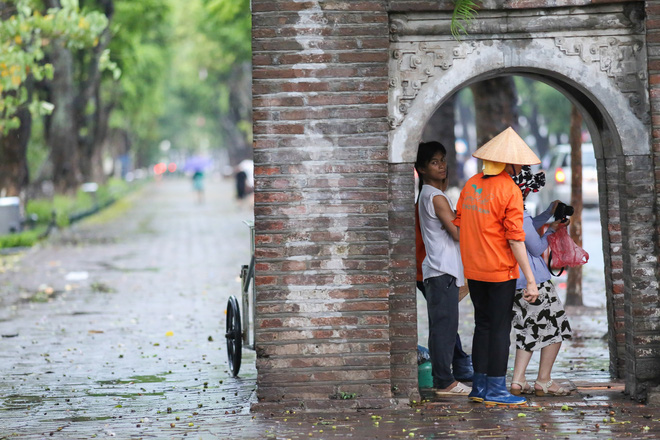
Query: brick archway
{"x": 335, "y": 132}
{"x": 604, "y": 74}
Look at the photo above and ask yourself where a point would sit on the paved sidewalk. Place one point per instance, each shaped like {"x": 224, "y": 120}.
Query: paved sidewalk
{"x": 115, "y": 329}
{"x": 582, "y": 361}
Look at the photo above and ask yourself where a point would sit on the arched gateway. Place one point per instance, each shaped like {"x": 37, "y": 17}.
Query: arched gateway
{"x": 342, "y": 92}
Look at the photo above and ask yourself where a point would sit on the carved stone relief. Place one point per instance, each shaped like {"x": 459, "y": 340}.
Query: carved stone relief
{"x": 416, "y": 64}
{"x": 620, "y": 60}
{"x": 423, "y": 50}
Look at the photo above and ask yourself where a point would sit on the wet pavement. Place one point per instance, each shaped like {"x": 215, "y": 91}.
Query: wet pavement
{"x": 114, "y": 328}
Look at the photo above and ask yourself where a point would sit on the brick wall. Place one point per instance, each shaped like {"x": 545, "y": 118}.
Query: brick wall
{"x": 641, "y": 312}
{"x": 608, "y": 175}
{"x": 321, "y": 213}
{"x": 646, "y": 339}
{"x": 403, "y": 304}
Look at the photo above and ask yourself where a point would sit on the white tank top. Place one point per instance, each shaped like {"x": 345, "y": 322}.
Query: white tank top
{"x": 443, "y": 254}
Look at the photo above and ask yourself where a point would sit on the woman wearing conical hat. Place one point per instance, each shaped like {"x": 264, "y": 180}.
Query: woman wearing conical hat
{"x": 489, "y": 215}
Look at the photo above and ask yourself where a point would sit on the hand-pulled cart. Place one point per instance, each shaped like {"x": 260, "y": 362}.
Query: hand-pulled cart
{"x": 238, "y": 324}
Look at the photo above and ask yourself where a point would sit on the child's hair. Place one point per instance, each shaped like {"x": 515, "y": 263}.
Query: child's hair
{"x": 425, "y": 153}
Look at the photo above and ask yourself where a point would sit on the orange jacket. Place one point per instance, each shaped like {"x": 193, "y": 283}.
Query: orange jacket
{"x": 489, "y": 213}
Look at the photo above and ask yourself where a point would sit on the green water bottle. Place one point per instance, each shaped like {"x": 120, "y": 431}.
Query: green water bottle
{"x": 424, "y": 376}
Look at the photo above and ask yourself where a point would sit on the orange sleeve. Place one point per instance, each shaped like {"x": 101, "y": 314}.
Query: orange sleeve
{"x": 459, "y": 204}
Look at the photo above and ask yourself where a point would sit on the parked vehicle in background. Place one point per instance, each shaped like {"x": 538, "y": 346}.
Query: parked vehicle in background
{"x": 557, "y": 166}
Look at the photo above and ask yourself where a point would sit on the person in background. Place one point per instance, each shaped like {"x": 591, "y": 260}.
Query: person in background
{"x": 241, "y": 185}
{"x": 489, "y": 217}
{"x": 244, "y": 173}
{"x": 541, "y": 325}
{"x": 441, "y": 268}
{"x": 198, "y": 185}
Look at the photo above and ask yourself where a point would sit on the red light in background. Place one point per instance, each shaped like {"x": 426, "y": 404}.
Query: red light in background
{"x": 171, "y": 167}
{"x": 560, "y": 176}
{"x": 160, "y": 168}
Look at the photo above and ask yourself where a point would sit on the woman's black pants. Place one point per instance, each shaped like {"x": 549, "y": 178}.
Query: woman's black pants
{"x": 493, "y": 312}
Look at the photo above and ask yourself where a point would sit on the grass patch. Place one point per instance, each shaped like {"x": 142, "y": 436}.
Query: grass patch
{"x": 112, "y": 212}
{"x": 22, "y": 239}
{"x": 110, "y": 200}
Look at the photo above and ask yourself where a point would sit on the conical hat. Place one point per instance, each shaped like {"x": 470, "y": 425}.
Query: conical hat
{"x": 507, "y": 147}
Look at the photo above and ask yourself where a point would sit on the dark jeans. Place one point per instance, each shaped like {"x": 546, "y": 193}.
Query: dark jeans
{"x": 442, "y": 306}
{"x": 460, "y": 357}
{"x": 493, "y": 312}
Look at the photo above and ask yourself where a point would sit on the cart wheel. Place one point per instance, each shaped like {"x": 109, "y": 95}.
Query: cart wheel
{"x": 233, "y": 335}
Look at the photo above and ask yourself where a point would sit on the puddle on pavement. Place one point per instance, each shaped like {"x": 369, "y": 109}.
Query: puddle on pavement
{"x": 110, "y": 266}
{"x": 19, "y": 402}
{"x": 80, "y": 419}
{"x": 133, "y": 380}
{"x": 127, "y": 395}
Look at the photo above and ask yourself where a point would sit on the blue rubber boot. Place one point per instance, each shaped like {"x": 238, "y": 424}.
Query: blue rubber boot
{"x": 497, "y": 394}
{"x": 479, "y": 385}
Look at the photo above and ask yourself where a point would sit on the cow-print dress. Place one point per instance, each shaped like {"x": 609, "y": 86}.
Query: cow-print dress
{"x": 541, "y": 323}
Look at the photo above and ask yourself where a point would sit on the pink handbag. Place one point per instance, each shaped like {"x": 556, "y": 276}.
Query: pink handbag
{"x": 564, "y": 252}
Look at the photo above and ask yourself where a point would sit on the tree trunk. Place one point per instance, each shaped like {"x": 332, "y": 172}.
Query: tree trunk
{"x": 14, "y": 175}
{"x": 62, "y": 127}
{"x": 440, "y": 128}
{"x": 118, "y": 146}
{"x": 236, "y": 143}
{"x": 466, "y": 120}
{"x": 574, "y": 281}
{"x": 96, "y": 124}
{"x": 239, "y": 112}
{"x": 542, "y": 142}
{"x": 102, "y": 133}
{"x": 494, "y": 107}
{"x": 535, "y": 119}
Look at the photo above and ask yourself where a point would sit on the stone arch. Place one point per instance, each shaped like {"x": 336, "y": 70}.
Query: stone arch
{"x": 604, "y": 74}
{"x": 585, "y": 84}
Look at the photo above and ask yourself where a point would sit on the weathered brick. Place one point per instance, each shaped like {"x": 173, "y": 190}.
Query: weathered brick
{"x": 334, "y": 222}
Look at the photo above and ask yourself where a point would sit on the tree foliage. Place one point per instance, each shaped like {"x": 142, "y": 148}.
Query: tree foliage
{"x": 27, "y": 35}
{"x": 141, "y": 46}
{"x": 114, "y": 78}
{"x": 209, "y": 106}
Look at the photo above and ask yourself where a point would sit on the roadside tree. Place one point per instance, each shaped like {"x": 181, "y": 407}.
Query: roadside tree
{"x": 30, "y": 35}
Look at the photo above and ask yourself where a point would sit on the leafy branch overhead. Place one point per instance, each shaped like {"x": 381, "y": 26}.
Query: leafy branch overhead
{"x": 90, "y": 88}
{"x": 27, "y": 35}
{"x": 464, "y": 12}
